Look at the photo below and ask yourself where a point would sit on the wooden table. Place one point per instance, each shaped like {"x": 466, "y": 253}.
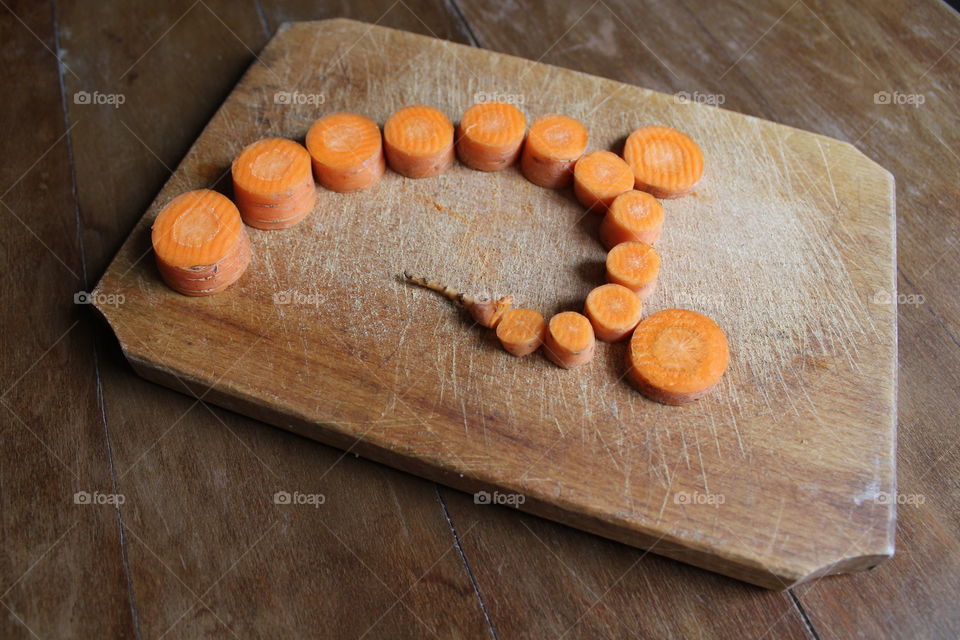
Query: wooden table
{"x": 132, "y": 511}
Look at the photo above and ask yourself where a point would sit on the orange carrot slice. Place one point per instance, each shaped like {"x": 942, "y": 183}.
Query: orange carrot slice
{"x": 665, "y": 162}
{"x": 633, "y": 216}
{"x": 554, "y": 144}
{"x": 569, "y": 342}
{"x": 200, "y": 244}
{"x": 521, "y": 331}
{"x": 272, "y": 183}
{"x": 347, "y": 152}
{"x": 419, "y": 142}
{"x": 599, "y": 177}
{"x": 489, "y": 136}
{"x": 677, "y": 356}
{"x": 634, "y": 265}
{"x": 613, "y": 311}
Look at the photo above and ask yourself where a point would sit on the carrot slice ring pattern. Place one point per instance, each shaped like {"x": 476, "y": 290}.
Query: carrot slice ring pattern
{"x": 665, "y": 162}
{"x": 419, "y": 142}
{"x": 677, "y": 356}
{"x": 199, "y": 242}
{"x": 272, "y": 183}
{"x": 489, "y": 136}
{"x": 347, "y": 152}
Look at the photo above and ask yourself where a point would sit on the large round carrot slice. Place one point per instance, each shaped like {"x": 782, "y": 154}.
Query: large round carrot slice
{"x": 554, "y": 144}
{"x": 199, "y": 243}
{"x": 489, "y": 135}
{"x": 419, "y": 141}
{"x": 634, "y": 265}
{"x": 272, "y": 183}
{"x": 677, "y": 356}
{"x": 665, "y": 162}
{"x": 347, "y": 152}
{"x": 633, "y": 216}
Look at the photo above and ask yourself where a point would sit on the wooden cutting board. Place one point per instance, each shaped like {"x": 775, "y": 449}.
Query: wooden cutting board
{"x": 783, "y": 474}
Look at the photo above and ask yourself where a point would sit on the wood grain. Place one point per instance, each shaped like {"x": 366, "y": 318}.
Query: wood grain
{"x": 813, "y": 359}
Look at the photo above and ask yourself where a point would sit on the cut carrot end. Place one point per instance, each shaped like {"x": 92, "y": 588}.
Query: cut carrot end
{"x": 569, "y": 341}
{"x": 554, "y": 144}
{"x": 200, "y": 244}
{"x": 665, "y": 162}
{"x": 634, "y": 265}
{"x": 599, "y": 177}
{"x": 677, "y": 356}
{"x": 272, "y": 183}
{"x": 521, "y": 331}
{"x": 346, "y": 150}
{"x": 634, "y": 216}
{"x": 613, "y": 310}
{"x": 419, "y": 142}
{"x": 489, "y": 136}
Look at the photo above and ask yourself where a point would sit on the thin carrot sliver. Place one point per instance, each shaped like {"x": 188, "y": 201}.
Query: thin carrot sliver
{"x": 599, "y": 177}
{"x": 489, "y": 135}
{"x": 613, "y": 310}
{"x": 418, "y": 141}
{"x": 347, "y": 152}
{"x": 569, "y": 341}
{"x": 199, "y": 243}
{"x": 554, "y": 144}
{"x": 273, "y": 184}
{"x": 521, "y": 331}
{"x": 677, "y": 356}
{"x": 634, "y": 265}
{"x": 633, "y": 216}
{"x": 665, "y": 162}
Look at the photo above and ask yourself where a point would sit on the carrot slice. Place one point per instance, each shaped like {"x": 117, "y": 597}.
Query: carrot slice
{"x": 347, "y": 152}
{"x": 634, "y": 265}
{"x": 419, "y": 142}
{"x": 200, "y": 244}
{"x": 272, "y": 183}
{"x": 613, "y": 311}
{"x": 569, "y": 341}
{"x": 633, "y": 216}
{"x": 554, "y": 144}
{"x": 521, "y": 331}
{"x": 489, "y": 135}
{"x": 677, "y": 356}
{"x": 665, "y": 162}
{"x": 599, "y": 177}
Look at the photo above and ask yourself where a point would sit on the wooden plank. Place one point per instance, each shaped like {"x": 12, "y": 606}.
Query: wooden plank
{"x": 324, "y": 369}
{"x": 206, "y": 539}
{"x": 62, "y": 571}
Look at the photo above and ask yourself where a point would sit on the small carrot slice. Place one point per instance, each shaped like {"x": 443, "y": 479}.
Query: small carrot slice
{"x": 419, "y": 142}
{"x": 634, "y": 265}
{"x": 633, "y": 216}
{"x": 199, "y": 243}
{"x": 347, "y": 152}
{"x": 665, "y": 162}
{"x": 677, "y": 356}
{"x": 569, "y": 342}
{"x": 554, "y": 144}
{"x": 613, "y": 311}
{"x": 272, "y": 183}
{"x": 489, "y": 135}
{"x": 521, "y": 331}
{"x": 599, "y": 177}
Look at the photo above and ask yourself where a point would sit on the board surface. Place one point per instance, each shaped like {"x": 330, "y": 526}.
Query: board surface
{"x": 781, "y": 475}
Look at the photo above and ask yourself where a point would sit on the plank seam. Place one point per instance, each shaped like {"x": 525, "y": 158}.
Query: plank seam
{"x": 466, "y": 25}
{"x": 803, "y": 615}
{"x": 101, "y": 403}
{"x": 466, "y": 564}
